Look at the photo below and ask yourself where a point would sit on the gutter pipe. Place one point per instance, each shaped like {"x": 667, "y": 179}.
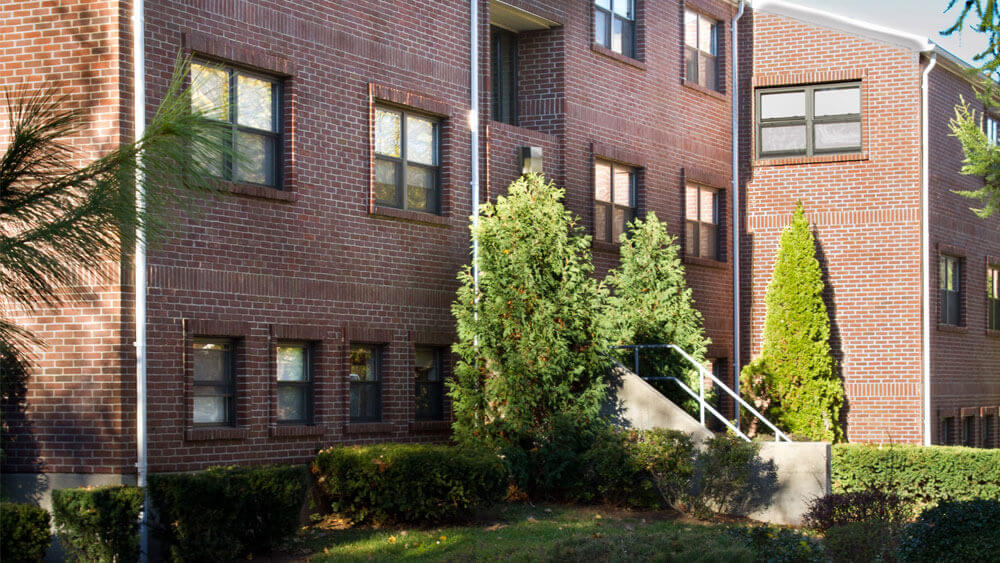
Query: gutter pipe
{"x": 139, "y": 114}
{"x": 736, "y": 207}
{"x": 474, "y": 131}
{"x": 925, "y": 249}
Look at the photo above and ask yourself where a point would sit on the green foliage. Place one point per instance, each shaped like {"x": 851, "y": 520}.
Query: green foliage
{"x": 409, "y": 482}
{"x": 861, "y": 542}
{"x": 653, "y": 305}
{"x": 668, "y": 456}
{"x": 981, "y": 158}
{"x": 225, "y": 513}
{"x": 533, "y": 341}
{"x": 956, "y": 531}
{"x": 772, "y": 544}
{"x": 730, "y": 477}
{"x": 25, "y": 536}
{"x": 99, "y": 524}
{"x": 804, "y": 393}
{"x": 923, "y": 474}
{"x": 987, "y": 12}
{"x": 870, "y": 506}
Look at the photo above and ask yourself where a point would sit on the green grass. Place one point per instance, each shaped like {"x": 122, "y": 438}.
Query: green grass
{"x": 518, "y": 532}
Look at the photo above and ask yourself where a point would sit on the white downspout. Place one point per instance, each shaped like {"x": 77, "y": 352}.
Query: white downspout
{"x": 474, "y": 130}
{"x": 139, "y": 114}
{"x": 736, "y": 208}
{"x": 925, "y": 249}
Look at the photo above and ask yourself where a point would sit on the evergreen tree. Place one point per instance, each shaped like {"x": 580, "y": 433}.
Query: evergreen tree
{"x": 533, "y": 342}
{"x": 795, "y": 366}
{"x": 653, "y": 305}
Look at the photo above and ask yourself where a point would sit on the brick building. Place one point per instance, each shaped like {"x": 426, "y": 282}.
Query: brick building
{"x": 836, "y": 122}
{"x": 308, "y": 304}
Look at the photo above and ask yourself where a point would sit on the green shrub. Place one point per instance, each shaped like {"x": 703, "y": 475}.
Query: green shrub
{"x": 956, "y": 531}
{"x": 225, "y": 513}
{"x": 860, "y": 542}
{"x": 773, "y": 544}
{"x": 532, "y": 343}
{"x": 409, "y": 482}
{"x": 871, "y": 506}
{"x": 99, "y": 524}
{"x": 668, "y": 457}
{"x": 25, "y": 532}
{"x": 730, "y": 477}
{"x": 923, "y": 474}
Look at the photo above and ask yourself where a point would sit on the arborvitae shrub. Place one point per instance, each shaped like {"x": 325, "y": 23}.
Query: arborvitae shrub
{"x": 795, "y": 367}
{"x": 99, "y": 524}
{"x": 409, "y": 482}
{"x": 24, "y": 532}
{"x": 538, "y": 345}
{"x": 953, "y": 531}
{"x": 225, "y": 513}
{"x": 652, "y": 304}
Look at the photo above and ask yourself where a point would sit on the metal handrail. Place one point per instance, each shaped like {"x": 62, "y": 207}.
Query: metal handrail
{"x": 700, "y": 397}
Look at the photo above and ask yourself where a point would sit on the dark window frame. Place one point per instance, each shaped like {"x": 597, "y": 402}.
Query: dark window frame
{"x": 989, "y": 431}
{"x": 503, "y": 108}
{"x": 234, "y": 128}
{"x": 716, "y": 215}
{"x": 228, "y": 389}
{"x": 607, "y": 208}
{"x": 434, "y": 388}
{"x": 991, "y": 127}
{"x": 308, "y": 385}
{"x": 603, "y": 36}
{"x": 401, "y": 163}
{"x": 950, "y": 300}
{"x": 947, "y": 430}
{"x": 809, "y": 120}
{"x": 969, "y": 431}
{"x": 698, "y": 54}
{"x": 993, "y": 299}
{"x": 376, "y": 352}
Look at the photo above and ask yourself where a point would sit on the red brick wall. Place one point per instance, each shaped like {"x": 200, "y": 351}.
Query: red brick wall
{"x": 866, "y": 217}
{"x": 965, "y": 361}
{"x": 72, "y": 419}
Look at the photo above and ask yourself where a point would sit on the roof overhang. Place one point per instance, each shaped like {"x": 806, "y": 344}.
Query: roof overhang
{"x": 515, "y": 19}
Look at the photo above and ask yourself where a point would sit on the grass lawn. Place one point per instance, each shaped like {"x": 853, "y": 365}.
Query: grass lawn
{"x": 522, "y": 532}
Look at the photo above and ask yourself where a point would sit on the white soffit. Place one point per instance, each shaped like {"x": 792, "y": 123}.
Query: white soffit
{"x": 844, "y": 24}
{"x": 515, "y": 19}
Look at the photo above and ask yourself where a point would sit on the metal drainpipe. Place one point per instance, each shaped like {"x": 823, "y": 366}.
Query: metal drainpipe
{"x": 474, "y": 130}
{"x": 925, "y": 242}
{"x": 736, "y": 209}
{"x": 139, "y": 114}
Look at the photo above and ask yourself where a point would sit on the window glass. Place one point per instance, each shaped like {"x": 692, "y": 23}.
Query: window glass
{"x": 210, "y": 360}
{"x": 838, "y": 101}
{"x": 419, "y": 188}
{"x": 708, "y": 206}
{"x": 623, "y": 8}
{"x": 210, "y": 91}
{"x": 701, "y": 213}
{"x": 255, "y": 106}
{"x": 213, "y": 382}
{"x": 291, "y": 363}
{"x": 606, "y": 4}
{"x": 601, "y": 27}
{"x": 623, "y": 186}
{"x": 782, "y": 104}
{"x": 706, "y": 35}
{"x": 365, "y": 384}
{"x": 387, "y": 132}
{"x": 503, "y": 69}
{"x": 406, "y": 159}
{"x": 291, "y": 404}
{"x": 690, "y": 29}
{"x": 419, "y": 140}
{"x": 602, "y": 181}
{"x": 614, "y": 25}
{"x": 428, "y": 383}
{"x": 257, "y": 162}
{"x": 614, "y": 199}
{"x": 783, "y": 139}
{"x": 385, "y": 182}
{"x": 837, "y": 135}
{"x": 363, "y": 364}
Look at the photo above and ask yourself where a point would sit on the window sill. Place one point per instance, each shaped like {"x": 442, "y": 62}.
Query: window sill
{"x": 605, "y": 246}
{"x": 992, "y": 333}
{"x": 708, "y": 92}
{"x": 262, "y": 192}
{"x": 216, "y": 433}
{"x": 602, "y": 50}
{"x": 295, "y": 430}
{"x": 952, "y": 328}
{"x": 706, "y": 262}
{"x": 816, "y": 159}
{"x": 413, "y": 216}
{"x": 430, "y": 426}
{"x": 368, "y": 428}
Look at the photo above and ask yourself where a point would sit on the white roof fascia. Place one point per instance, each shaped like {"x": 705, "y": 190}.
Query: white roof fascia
{"x": 844, "y": 24}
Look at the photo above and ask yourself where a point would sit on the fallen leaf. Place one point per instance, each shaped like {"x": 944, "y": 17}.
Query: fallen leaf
{"x": 392, "y": 539}
{"x": 531, "y": 519}
{"x": 598, "y": 516}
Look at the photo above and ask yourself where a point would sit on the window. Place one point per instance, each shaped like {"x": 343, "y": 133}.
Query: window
{"x": 366, "y": 383}
{"x": 701, "y": 50}
{"x": 992, "y": 131}
{"x": 247, "y": 106}
{"x": 948, "y": 281}
{"x": 947, "y": 430}
{"x": 214, "y": 382}
{"x": 969, "y": 431}
{"x": 428, "y": 387}
{"x": 702, "y": 222}
{"x": 614, "y": 199}
{"x": 503, "y": 72}
{"x": 614, "y": 25}
{"x": 988, "y": 431}
{"x": 809, "y": 120}
{"x": 406, "y": 160}
{"x": 294, "y": 373}
{"x": 993, "y": 297}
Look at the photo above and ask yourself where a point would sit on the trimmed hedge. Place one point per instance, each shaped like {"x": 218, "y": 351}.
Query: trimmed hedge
{"x": 924, "y": 474}
{"x": 953, "y": 531}
{"x": 409, "y": 482}
{"x": 99, "y": 524}
{"x": 225, "y": 513}
{"x": 25, "y": 532}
